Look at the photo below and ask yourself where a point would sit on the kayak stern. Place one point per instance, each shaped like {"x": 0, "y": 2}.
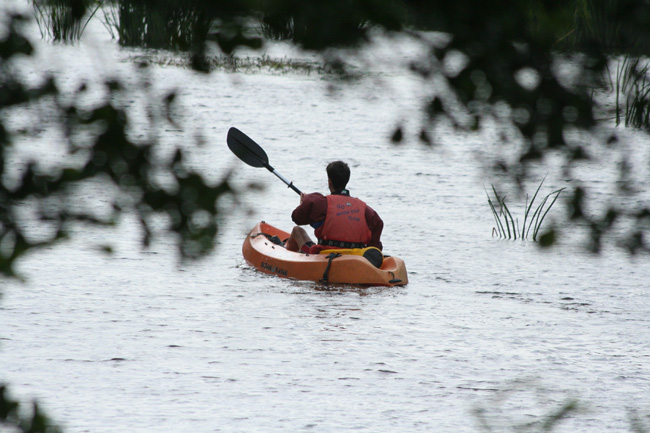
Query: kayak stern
{"x": 272, "y": 258}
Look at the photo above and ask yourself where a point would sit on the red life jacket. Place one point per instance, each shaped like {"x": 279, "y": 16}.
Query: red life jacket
{"x": 345, "y": 223}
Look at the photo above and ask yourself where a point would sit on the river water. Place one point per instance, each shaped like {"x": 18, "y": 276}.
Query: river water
{"x": 488, "y": 333}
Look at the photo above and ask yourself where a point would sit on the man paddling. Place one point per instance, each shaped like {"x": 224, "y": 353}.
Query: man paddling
{"x": 340, "y": 221}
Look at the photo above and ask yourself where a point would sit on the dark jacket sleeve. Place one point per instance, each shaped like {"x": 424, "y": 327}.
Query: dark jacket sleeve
{"x": 312, "y": 209}
{"x": 376, "y": 225}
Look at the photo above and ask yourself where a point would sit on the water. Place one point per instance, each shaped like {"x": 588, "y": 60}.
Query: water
{"x": 137, "y": 341}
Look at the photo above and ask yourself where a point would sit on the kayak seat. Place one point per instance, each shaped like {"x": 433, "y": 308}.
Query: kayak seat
{"x": 372, "y": 254}
{"x": 274, "y": 239}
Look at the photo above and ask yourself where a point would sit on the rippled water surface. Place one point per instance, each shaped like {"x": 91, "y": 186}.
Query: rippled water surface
{"x": 136, "y": 342}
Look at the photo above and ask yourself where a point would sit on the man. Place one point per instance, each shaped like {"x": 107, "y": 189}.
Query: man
{"x": 340, "y": 221}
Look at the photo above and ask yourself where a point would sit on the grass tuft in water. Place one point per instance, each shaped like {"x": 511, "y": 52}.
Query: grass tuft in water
{"x": 507, "y": 227}
{"x": 633, "y": 92}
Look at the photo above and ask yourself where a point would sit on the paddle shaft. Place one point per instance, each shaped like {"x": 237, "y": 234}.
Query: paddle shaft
{"x": 282, "y": 178}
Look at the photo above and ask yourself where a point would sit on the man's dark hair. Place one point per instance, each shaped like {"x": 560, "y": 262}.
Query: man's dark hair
{"x": 339, "y": 173}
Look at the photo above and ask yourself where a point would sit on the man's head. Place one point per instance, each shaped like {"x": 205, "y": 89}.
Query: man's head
{"x": 338, "y": 173}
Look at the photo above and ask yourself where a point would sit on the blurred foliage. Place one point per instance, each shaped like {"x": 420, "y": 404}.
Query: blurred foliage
{"x": 11, "y": 417}
{"x": 527, "y": 406}
{"x": 545, "y": 423}
{"x": 100, "y": 149}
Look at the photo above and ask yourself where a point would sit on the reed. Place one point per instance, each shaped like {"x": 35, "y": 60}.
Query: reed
{"x": 57, "y": 21}
{"x": 507, "y": 227}
{"x": 165, "y": 25}
{"x": 277, "y": 27}
{"x": 632, "y": 88}
{"x": 593, "y": 21}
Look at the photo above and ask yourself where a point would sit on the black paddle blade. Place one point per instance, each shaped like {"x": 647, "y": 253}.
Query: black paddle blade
{"x": 246, "y": 149}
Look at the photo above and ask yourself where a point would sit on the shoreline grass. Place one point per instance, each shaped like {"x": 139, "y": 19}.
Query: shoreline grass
{"x": 56, "y": 20}
{"x": 261, "y": 64}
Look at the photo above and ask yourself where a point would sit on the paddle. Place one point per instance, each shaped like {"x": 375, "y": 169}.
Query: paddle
{"x": 252, "y": 154}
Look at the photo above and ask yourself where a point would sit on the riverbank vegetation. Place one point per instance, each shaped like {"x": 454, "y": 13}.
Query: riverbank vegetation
{"x": 248, "y": 65}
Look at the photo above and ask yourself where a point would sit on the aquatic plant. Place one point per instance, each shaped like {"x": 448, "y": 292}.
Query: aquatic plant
{"x": 277, "y": 27}
{"x": 508, "y": 227}
{"x": 592, "y": 20}
{"x": 162, "y": 25}
{"x": 633, "y": 86}
{"x": 59, "y": 21}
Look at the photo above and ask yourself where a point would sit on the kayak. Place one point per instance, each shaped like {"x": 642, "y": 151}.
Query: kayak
{"x": 264, "y": 251}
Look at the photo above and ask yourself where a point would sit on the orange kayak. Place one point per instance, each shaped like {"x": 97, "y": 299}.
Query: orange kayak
{"x": 261, "y": 252}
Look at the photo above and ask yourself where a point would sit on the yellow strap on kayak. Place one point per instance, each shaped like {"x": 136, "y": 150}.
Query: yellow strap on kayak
{"x": 353, "y": 251}
{"x": 372, "y": 254}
